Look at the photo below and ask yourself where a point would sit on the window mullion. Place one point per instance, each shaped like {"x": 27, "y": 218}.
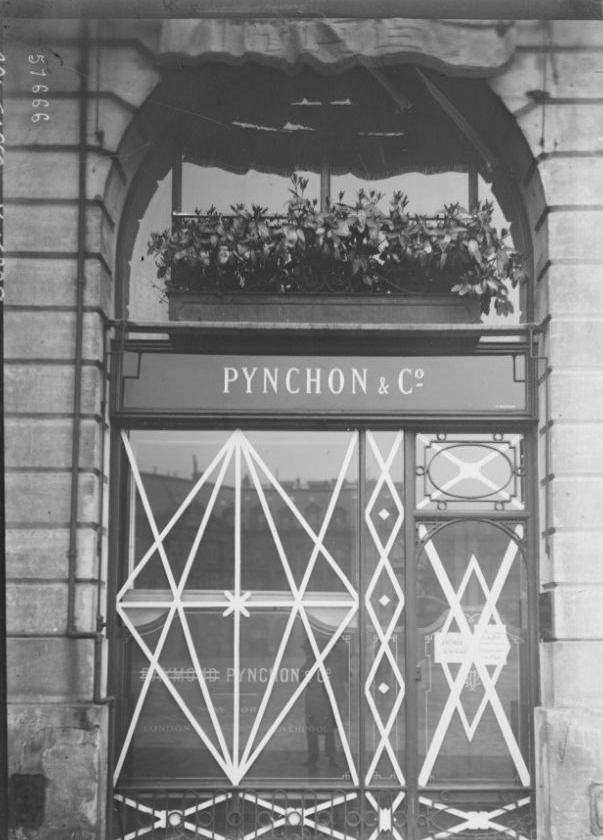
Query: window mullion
{"x": 325, "y": 180}
{"x": 411, "y": 675}
{"x": 361, "y": 547}
{"x": 177, "y": 184}
{"x": 473, "y": 186}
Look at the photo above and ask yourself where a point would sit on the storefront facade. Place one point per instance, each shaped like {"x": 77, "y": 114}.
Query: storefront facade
{"x": 315, "y": 559}
{"x": 332, "y": 573}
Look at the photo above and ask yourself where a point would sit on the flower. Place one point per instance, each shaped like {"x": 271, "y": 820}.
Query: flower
{"x": 354, "y": 249}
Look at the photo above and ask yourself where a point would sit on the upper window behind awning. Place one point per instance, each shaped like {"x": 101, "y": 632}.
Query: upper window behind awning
{"x": 473, "y": 47}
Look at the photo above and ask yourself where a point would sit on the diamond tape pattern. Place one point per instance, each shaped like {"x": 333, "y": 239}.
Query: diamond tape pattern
{"x": 233, "y": 758}
{"x": 384, "y": 656}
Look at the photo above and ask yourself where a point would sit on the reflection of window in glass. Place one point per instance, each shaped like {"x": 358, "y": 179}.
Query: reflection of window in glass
{"x": 313, "y": 516}
{"x": 212, "y": 579}
{"x": 256, "y": 516}
{"x": 340, "y": 519}
{"x": 286, "y": 520}
{"x": 212, "y": 552}
{"x": 277, "y": 537}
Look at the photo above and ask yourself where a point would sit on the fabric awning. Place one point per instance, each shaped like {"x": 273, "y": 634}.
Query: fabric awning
{"x": 479, "y": 48}
{"x": 370, "y": 123}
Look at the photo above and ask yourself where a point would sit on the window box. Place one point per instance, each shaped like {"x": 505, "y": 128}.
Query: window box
{"x": 324, "y": 309}
{"x": 394, "y": 264}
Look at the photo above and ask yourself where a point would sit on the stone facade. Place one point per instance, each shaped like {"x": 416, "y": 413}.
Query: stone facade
{"x": 565, "y": 132}
{"x": 552, "y": 88}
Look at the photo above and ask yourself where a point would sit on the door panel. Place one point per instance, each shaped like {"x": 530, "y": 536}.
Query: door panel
{"x": 470, "y": 640}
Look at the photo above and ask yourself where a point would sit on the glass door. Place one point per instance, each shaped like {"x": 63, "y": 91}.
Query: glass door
{"x": 472, "y": 636}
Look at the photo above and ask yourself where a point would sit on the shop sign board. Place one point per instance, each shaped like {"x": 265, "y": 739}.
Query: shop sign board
{"x": 182, "y": 382}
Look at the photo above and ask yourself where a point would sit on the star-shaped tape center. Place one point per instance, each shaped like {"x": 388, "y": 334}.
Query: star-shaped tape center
{"x": 236, "y": 603}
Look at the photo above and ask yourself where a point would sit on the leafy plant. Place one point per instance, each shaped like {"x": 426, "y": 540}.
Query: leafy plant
{"x": 346, "y": 248}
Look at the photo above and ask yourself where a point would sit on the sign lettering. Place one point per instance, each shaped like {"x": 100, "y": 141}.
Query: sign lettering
{"x": 315, "y": 384}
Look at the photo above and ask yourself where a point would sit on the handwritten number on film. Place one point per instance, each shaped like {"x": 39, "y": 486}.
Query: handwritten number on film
{"x": 38, "y": 61}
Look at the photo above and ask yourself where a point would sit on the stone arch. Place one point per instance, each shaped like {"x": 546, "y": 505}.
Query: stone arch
{"x": 150, "y": 143}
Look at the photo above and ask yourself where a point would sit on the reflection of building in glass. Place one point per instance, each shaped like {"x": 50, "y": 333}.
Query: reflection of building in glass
{"x": 213, "y": 567}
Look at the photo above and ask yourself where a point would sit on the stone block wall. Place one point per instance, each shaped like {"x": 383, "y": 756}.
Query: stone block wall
{"x": 56, "y": 731}
{"x": 554, "y": 90}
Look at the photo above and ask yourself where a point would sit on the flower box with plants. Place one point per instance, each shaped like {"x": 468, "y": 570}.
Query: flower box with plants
{"x": 354, "y": 252}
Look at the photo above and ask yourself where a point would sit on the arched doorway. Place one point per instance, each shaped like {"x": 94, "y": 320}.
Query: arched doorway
{"x": 286, "y": 671}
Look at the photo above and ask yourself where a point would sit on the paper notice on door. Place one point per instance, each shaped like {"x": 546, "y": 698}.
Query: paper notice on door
{"x": 489, "y": 647}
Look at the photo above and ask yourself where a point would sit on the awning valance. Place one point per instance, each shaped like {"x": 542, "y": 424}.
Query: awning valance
{"x": 372, "y": 124}
{"x": 478, "y": 48}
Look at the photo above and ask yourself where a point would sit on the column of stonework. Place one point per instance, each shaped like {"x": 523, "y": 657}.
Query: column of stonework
{"x": 56, "y": 730}
{"x": 554, "y": 89}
